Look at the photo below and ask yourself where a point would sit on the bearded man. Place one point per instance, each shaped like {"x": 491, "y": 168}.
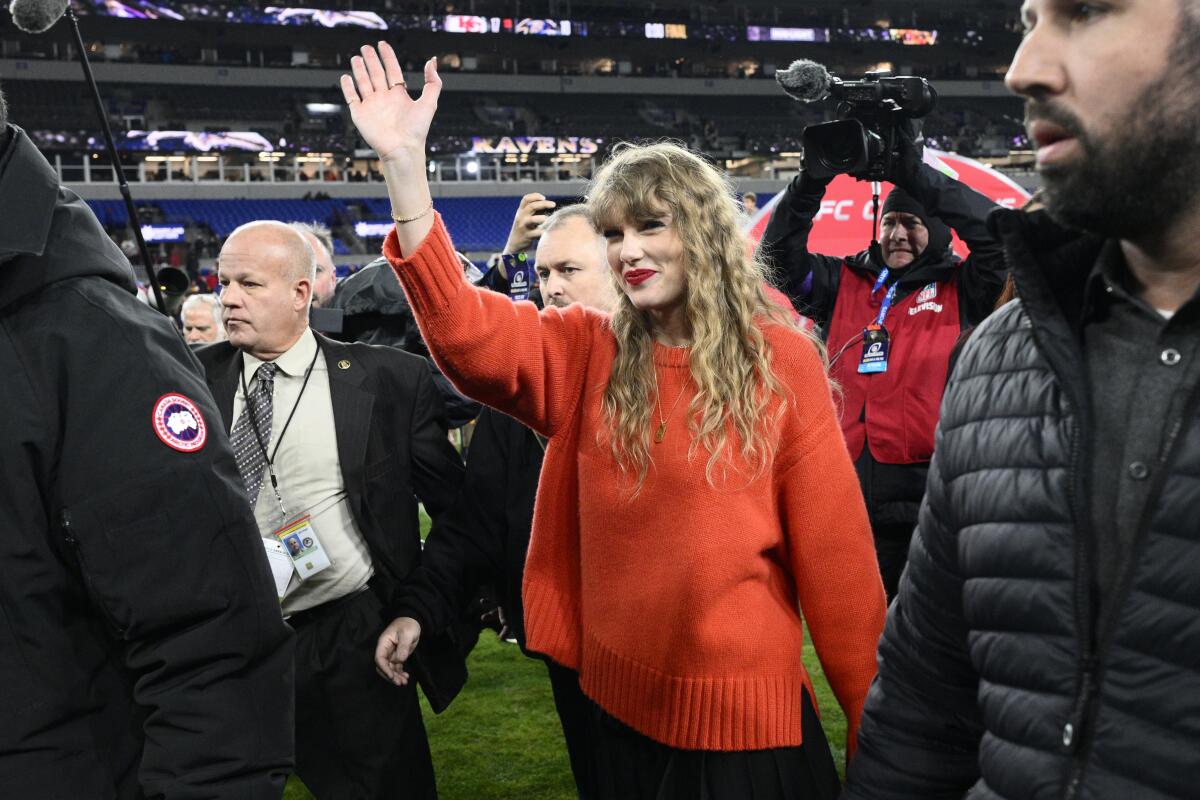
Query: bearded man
{"x": 1045, "y": 642}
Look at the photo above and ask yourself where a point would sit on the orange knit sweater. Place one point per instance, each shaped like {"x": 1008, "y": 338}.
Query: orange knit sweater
{"x": 680, "y": 606}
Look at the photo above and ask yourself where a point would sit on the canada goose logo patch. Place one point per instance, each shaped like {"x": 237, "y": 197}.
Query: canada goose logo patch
{"x": 178, "y": 423}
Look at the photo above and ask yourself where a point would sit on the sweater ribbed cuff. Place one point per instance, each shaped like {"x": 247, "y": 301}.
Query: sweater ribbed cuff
{"x": 432, "y": 275}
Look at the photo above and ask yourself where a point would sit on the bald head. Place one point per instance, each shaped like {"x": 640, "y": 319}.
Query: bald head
{"x": 266, "y": 270}
{"x": 279, "y": 241}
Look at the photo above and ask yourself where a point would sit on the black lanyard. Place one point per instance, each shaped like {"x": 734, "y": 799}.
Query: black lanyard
{"x": 270, "y": 459}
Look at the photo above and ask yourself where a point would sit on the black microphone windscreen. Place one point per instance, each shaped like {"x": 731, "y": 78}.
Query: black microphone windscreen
{"x": 806, "y": 81}
{"x": 37, "y": 16}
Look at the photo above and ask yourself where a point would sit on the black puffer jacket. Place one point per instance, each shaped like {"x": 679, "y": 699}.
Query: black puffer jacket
{"x": 997, "y": 678}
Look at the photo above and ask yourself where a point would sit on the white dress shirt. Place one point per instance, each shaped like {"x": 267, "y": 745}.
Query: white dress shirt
{"x": 309, "y": 474}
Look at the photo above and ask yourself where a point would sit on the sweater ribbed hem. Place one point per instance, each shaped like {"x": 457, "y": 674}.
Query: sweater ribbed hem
{"x": 748, "y": 712}
{"x": 551, "y": 622}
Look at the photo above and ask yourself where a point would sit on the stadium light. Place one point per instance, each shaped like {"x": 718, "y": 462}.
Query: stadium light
{"x": 472, "y": 167}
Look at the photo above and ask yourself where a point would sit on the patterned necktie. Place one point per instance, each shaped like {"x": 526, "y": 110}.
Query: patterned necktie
{"x": 251, "y": 461}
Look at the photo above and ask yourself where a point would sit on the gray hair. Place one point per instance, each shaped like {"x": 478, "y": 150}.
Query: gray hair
{"x": 574, "y": 211}
{"x": 211, "y": 303}
{"x": 320, "y": 232}
{"x": 561, "y": 215}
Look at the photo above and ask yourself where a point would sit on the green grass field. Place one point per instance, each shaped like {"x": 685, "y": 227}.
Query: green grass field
{"x": 500, "y": 739}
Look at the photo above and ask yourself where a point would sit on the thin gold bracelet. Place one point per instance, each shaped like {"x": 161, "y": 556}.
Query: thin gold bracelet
{"x": 406, "y": 220}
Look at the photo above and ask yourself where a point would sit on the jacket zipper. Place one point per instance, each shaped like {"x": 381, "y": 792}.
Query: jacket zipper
{"x": 64, "y": 518}
{"x": 1078, "y": 731}
{"x": 1073, "y": 739}
{"x": 1073, "y": 730}
{"x": 1076, "y": 735}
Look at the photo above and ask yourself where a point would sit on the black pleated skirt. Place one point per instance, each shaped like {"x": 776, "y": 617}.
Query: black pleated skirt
{"x": 630, "y": 766}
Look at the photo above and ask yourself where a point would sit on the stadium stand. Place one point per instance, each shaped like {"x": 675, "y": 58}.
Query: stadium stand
{"x": 707, "y": 82}
{"x": 478, "y": 224}
{"x": 715, "y": 123}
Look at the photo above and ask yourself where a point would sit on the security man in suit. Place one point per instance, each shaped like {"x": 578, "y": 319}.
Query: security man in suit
{"x": 333, "y": 441}
{"x": 142, "y": 653}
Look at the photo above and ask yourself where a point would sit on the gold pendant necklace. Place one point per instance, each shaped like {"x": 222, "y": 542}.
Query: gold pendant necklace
{"x": 662, "y": 421}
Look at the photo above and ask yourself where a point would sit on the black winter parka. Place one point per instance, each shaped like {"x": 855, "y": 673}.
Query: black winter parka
{"x": 142, "y": 651}
{"x": 998, "y": 678}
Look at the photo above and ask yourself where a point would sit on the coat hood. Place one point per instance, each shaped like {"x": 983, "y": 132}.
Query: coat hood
{"x": 47, "y": 233}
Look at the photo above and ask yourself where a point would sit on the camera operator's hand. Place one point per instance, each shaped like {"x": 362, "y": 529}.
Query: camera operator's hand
{"x": 527, "y": 224}
{"x": 805, "y": 185}
{"x": 910, "y": 151}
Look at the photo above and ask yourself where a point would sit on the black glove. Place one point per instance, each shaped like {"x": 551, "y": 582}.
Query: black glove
{"x": 804, "y": 185}
{"x": 910, "y": 154}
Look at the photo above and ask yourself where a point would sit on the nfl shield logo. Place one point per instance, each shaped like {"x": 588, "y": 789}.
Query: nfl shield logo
{"x": 927, "y": 294}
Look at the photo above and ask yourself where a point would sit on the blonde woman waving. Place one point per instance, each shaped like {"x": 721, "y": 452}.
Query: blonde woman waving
{"x": 696, "y": 496}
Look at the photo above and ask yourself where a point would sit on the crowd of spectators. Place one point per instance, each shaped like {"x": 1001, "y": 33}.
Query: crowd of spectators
{"x": 428, "y": 15}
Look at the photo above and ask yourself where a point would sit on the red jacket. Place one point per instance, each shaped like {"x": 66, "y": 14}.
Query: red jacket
{"x": 894, "y": 411}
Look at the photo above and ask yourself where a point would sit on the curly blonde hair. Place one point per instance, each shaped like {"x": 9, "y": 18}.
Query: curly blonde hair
{"x": 725, "y": 304}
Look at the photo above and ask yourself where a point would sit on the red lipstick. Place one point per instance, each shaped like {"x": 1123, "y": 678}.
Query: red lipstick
{"x": 636, "y": 277}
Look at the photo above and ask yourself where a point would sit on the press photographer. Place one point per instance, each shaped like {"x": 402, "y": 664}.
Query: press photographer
{"x": 891, "y": 313}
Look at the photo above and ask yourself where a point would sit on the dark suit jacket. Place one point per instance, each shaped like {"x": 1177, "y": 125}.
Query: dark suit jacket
{"x": 485, "y": 537}
{"x": 391, "y": 437}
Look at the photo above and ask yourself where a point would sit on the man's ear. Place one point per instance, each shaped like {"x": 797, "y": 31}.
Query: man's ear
{"x": 303, "y": 293}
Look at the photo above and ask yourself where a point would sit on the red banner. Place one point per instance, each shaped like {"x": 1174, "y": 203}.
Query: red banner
{"x": 843, "y": 225}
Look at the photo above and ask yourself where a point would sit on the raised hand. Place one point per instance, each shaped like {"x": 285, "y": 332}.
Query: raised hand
{"x": 527, "y": 224}
{"x": 910, "y": 152}
{"x": 390, "y": 121}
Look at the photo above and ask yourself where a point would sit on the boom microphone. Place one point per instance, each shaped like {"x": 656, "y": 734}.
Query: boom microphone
{"x": 806, "y": 81}
{"x": 37, "y": 16}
